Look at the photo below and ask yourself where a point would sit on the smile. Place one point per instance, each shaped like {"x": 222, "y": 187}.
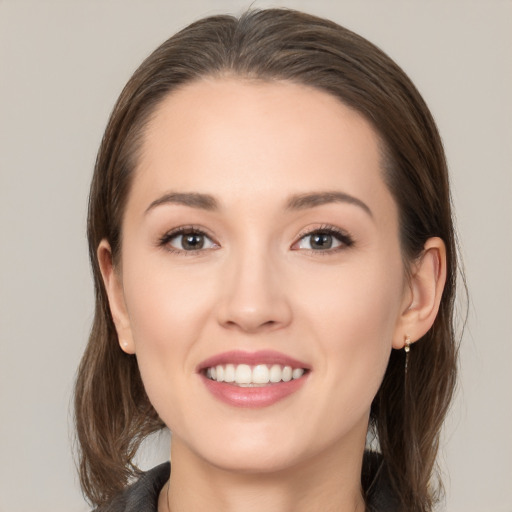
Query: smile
{"x": 253, "y": 380}
{"x": 253, "y": 376}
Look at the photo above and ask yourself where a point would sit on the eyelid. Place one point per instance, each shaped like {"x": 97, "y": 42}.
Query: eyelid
{"x": 343, "y": 236}
{"x": 164, "y": 240}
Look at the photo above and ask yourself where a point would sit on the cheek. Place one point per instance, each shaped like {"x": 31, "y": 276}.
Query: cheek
{"x": 168, "y": 311}
{"x": 353, "y": 322}
{"x": 358, "y": 303}
{"x": 167, "y": 304}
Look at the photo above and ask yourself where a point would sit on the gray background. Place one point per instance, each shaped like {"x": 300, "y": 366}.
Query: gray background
{"x": 62, "y": 65}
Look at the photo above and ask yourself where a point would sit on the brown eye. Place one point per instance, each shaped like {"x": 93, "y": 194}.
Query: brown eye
{"x": 324, "y": 240}
{"x": 192, "y": 241}
{"x": 321, "y": 241}
{"x": 189, "y": 241}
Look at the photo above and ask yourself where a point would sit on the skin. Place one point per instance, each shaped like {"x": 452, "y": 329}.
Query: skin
{"x": 258, "y": 285}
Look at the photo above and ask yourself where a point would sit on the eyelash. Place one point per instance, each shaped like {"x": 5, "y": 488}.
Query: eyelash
{"x": 182, "y": 230}
{"x": 327, "y": 229}
{"x": 342, "y": 236}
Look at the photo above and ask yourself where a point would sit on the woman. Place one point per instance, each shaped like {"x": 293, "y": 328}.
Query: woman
{"x": 271, "y": 239}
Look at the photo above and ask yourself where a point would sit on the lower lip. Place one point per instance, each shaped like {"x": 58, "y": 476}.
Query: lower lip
{"x": 252, "y": 397}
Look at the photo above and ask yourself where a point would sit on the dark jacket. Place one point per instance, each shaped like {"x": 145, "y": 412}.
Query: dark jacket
{"x": 142, "y": 496}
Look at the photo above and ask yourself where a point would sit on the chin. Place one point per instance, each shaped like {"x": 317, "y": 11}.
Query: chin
{"x": 247, "y": 451}
{"x": 254, "y": 461}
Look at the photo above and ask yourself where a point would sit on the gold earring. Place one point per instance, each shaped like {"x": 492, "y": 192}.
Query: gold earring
{"x": 407, "y": 349}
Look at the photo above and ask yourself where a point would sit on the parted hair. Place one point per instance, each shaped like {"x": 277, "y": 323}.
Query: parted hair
{"x": 113, "y": 414}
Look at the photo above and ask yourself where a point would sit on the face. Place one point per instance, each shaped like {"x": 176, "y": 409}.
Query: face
{"x": 259, "y": 239}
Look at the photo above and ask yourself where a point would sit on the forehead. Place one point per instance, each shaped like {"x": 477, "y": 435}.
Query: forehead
{"x": 231, "y": 136}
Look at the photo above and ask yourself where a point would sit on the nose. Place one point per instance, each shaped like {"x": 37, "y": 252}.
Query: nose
{"x": 254, "y": 297}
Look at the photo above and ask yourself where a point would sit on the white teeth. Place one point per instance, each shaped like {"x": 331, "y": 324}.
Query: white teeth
{"x": 243, "y": 374}
{"x": 261, "y": 374}
{"x": 276, "y": 373}
{"x": 297, "y": 373}
{"x": 229, "y": 373}
{"x": 287, "y": 373}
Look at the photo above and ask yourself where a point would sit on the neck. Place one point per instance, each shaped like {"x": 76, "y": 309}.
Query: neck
{"x": 329, "y": 482}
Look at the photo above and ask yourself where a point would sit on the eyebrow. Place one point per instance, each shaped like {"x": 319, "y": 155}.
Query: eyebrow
{"x": 295, "y": 202}
{"x": 310, "y": 200}
{"x": 192, "y": 199}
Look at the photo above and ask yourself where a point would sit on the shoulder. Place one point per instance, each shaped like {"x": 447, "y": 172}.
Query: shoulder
{"x": 142, "y": 495}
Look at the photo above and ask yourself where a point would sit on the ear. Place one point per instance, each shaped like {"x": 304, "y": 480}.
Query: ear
{"x": 114, "y": 289}
{"x": 422, "y": 299}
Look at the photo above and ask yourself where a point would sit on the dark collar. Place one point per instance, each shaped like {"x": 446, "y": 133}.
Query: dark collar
{"x": 142, "y": 496}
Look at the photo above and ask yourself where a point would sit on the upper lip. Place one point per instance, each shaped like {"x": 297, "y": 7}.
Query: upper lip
{"x": 251, "y": 358}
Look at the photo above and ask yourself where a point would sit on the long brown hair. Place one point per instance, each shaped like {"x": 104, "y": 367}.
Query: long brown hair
{"x": 113, "y": 413}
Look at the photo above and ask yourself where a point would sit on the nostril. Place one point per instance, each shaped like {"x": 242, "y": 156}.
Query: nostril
{"x": 251, "y": 324}
{"x": 253, "y": 312}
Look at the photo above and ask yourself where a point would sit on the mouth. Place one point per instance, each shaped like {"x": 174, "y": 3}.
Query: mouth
{"x": 245, "y": 375}
{"x": 254, "y": 380}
